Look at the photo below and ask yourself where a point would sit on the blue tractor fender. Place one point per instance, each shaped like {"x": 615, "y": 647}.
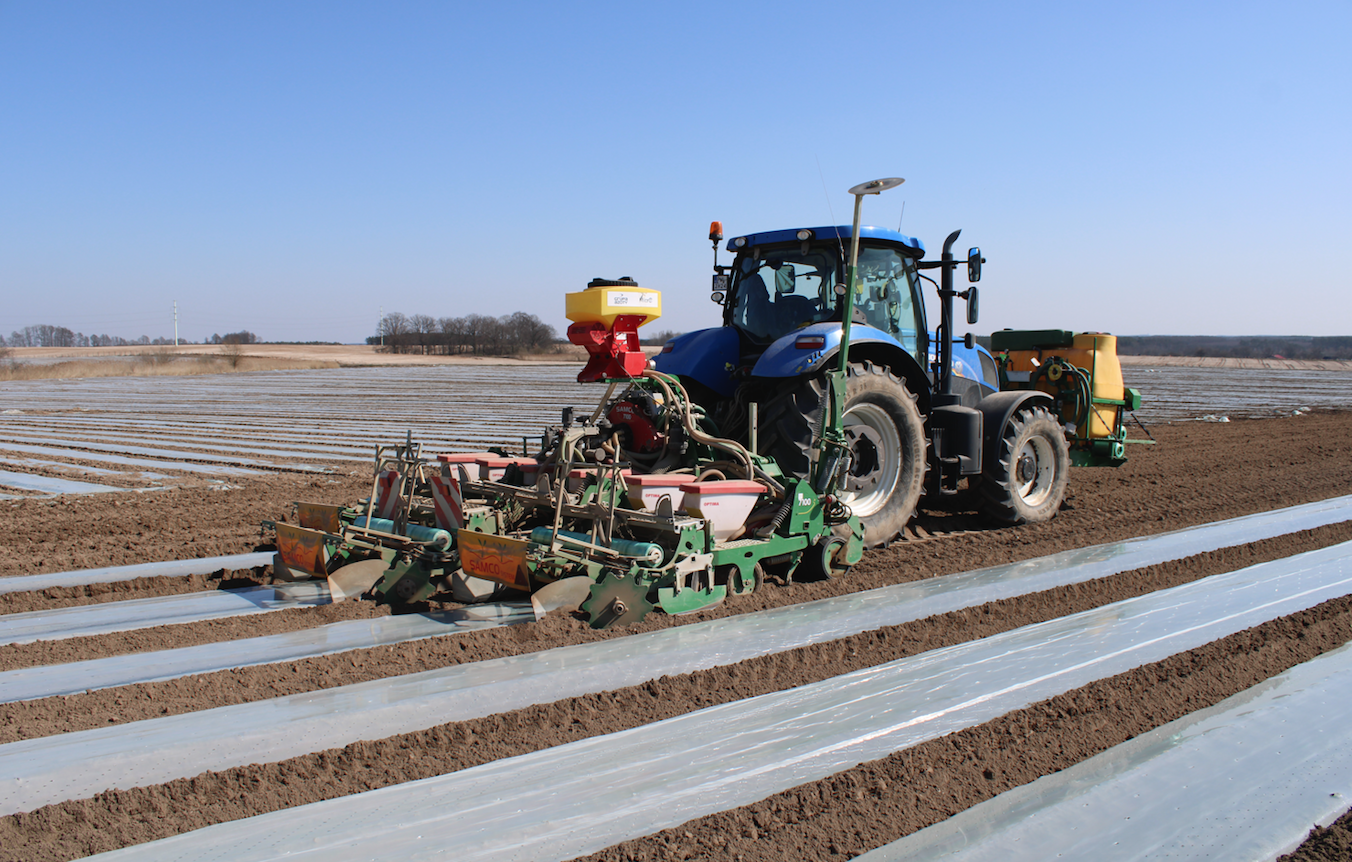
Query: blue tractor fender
{"x": 814, "y": 347}
{"x": 996, "y": 411}
{"x": 975, "y": 364}
{"x": 708, "y": 356}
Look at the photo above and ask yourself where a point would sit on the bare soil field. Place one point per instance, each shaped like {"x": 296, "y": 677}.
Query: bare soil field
{"x": 1197, "y": 473}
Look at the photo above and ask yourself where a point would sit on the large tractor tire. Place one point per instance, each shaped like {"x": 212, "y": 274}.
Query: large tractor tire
{"x": 1027, "y": 481}
{"x": 886, "y": 435}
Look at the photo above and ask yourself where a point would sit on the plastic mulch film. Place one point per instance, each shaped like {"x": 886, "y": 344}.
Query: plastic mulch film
{"x": 110, "y": 574}
{"x": 52, "y": 485}
{"x": 78, "y": 765}
{"x": 86, "y": 620}
{"x": 1242, "y": 780}
{"x": 31, "y": 683}
{"x": 962, "y": 590}
{"x": 575, "y": 799}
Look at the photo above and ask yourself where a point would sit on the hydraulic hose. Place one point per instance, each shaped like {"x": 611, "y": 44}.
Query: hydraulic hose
{"x": 732, "y": 447}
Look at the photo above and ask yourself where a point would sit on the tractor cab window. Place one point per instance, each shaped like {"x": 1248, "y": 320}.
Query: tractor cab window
{"x": 778, "y": 291}
{"x": 885, "y": 291}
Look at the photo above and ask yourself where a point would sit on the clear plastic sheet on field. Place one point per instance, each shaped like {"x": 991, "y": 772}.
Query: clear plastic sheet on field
{"x": 756, "y": 634}
{"x": 1242, "y": 780}
{"x": 159, "y": 452}
{"x": 50, "y": 680}
{"x": 60, "y": 465}
{"x": 86, "y": 620}
{"x": 51, "y": 484}
{"x": 328, "y": 415}
{"x": 111, "y": 574}
{"x": 108, "y": 458}
{"x": 578, "y": 798}
{"x": 187, "y": 744}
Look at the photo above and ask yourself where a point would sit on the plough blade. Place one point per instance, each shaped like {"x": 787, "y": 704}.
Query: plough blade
{"x": 354, "y": 579}
{"x": 566, "y": 594}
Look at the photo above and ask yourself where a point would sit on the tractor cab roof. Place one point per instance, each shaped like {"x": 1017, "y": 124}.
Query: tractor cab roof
{"x": 841, "y": 232}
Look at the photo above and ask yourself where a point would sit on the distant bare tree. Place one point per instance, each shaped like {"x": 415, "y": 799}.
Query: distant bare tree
{"x": 527, "y": 332}
{"x": 452, "y": 334}
{"x": 394, "y": 329}
{"x": 424, "y": 328}
{"x": 478, "y": 331}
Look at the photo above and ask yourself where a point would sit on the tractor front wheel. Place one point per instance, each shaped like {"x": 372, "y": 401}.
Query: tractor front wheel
{"x": 1027, "y": 482}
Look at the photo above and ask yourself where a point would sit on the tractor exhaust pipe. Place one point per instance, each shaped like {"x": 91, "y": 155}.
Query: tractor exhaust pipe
{"x": 946, "y": 294}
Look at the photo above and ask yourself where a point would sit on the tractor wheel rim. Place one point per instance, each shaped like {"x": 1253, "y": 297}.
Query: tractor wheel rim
{"x": 882, "y": 466}
{"x": 1038, "y": 453}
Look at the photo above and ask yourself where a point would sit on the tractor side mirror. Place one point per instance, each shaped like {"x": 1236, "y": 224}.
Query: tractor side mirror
{"x": 785, "y": 279}
{"x": 974, "y": 261}
{"x": 720, "y": 288}
{"x": 973, "y": 304}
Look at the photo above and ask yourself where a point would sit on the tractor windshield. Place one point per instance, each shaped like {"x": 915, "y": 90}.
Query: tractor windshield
{"x": 777, "y": 290}
{"x": 887, "y": 293}
{"x": 774, "y": 292}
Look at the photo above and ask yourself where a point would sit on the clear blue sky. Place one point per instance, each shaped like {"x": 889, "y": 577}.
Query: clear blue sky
{"x": 290, "y": 168}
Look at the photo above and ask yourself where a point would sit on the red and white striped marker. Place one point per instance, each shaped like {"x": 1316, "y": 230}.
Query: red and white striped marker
{"x": 387, "y": 494}
{"x": 446, "y": 502}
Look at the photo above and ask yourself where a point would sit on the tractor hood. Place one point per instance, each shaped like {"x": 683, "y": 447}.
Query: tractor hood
{"x": 805, "y": 350}
{"x": 707, "y": 355}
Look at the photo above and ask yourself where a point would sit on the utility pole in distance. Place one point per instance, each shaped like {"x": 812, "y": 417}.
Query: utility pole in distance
{"x": 176, "y": 323}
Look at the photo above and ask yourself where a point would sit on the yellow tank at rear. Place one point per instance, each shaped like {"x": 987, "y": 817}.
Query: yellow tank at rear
{"x": 1096, "y": 354}
{"x": 603, "y": 301}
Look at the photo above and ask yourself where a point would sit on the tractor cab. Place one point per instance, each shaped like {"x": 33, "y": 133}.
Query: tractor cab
{"x": 783, "y": 281}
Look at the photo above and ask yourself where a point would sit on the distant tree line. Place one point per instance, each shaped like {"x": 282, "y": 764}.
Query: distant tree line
{"x": 474, "y": 334}
{"x": 241, "y": 337}
{"x": 1238, "y": 346}
{"x": 661, "y": 336}
{"x": 45, "y": 335}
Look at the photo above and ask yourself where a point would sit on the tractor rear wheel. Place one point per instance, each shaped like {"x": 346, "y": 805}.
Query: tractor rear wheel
{"x": 1027, "y": 482}
{"x": 886, "y": 436}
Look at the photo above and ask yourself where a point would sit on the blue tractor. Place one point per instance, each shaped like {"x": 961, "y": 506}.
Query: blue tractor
{"x": 922, "y": 409}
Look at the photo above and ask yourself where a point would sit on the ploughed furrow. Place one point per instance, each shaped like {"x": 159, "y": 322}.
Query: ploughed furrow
{"x": 1239, "y": 780}
{"x": 583, "y": 795}
{"x": 1198, "y": 473}
{"x": 135, "y": 614}
{"x": 883, "y": 800}
{"x": 113, "y": 574}
{"x": 464, "y": 744}
{"x": 596, "y": 660}
{"x": 93, "y": 674}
